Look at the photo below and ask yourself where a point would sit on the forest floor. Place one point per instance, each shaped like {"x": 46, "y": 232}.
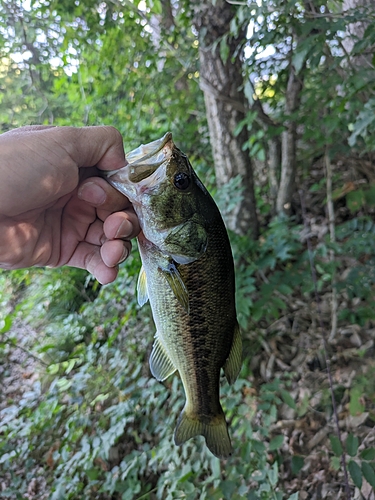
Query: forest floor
{"x": 19, "y": 380}
{"x": 297, "y": 349}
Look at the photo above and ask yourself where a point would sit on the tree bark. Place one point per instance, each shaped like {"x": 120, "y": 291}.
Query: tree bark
{"x": 222, "y": 82}
{"x": 355, "y": 32}
{"x": 288, "y": 146}
{"x": 274, "y": 162}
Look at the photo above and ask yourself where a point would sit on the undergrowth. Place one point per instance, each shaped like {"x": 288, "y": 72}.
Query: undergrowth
{"x": 98, "y": 426}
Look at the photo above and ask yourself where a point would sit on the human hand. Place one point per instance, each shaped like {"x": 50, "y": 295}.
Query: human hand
{"x": 54, "y": 209}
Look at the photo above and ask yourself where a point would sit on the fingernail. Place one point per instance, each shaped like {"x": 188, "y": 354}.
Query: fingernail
{"x": 123, "y": 231}
{"x": 124, "y": 256}
{"x": 92, "y": 193}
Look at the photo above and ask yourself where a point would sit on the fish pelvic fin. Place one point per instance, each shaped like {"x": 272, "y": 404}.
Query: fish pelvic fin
{"x": 214, "y": 429}
{"x": 161, "y": 365}
{"x": 142, "y": 293}
{"x": 232, "y": 365}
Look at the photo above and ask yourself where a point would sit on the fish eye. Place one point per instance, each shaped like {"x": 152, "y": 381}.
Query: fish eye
{"x": 181, "y": 181}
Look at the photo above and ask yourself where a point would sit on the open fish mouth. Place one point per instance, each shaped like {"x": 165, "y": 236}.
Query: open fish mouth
{"x": 144, "y": 160}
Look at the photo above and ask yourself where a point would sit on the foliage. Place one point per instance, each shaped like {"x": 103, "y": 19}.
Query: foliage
{"x": 96, "y": 425}
{"x": 56, "y": 72}
{"x": 103, "y": 428}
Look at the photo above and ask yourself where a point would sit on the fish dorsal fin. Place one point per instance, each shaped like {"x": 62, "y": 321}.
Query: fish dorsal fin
{"x": 161, "y": 364}
{"x": 177, "y": 285}
{"x": 142, "y": 292}
{"x": 233, "y": 363}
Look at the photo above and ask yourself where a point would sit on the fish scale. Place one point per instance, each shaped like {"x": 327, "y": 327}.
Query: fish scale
{"x": 188, "y": 276}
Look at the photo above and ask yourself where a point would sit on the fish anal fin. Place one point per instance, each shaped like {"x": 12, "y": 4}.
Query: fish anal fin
{"x": 142, "y": 293}
{"x": 232, "y": 365}
{"x": 214, "y": 429}
{"x": 161, "y": 365}
{"x": 177, "y": 285}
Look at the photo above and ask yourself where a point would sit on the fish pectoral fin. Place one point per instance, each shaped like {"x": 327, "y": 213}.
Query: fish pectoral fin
{"x": 232, "y": 365}
{"x": 161, "y": 364}
{"x": 214, "y": 429}
{"x": 142, "y": 292}
{"x": 177, "y": 285}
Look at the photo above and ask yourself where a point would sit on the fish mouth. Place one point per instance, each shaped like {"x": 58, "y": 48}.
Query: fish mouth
{"x": 144, "y": 160}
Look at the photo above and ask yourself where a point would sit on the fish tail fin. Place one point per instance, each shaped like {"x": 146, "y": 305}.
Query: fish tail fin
{"x": 214, "y": 429}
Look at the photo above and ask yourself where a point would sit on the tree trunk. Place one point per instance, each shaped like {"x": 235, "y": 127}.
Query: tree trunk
{"x": 288, "y": 146}
{"x": 221, "y": 82}
{"x": 274, "y": 162}
{"x": 355, "y": 32}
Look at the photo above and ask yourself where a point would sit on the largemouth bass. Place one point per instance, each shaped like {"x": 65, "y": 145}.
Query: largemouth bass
{"x": 188, "y": 276}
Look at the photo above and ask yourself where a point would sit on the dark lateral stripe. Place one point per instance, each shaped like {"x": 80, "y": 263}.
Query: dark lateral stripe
{"x": 203, "y": 330}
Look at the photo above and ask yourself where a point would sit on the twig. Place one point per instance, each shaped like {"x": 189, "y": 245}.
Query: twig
{"x": 331, "y": 223}
{"x": 324, "y": 338}
{"x": 17, "y": 346}
{"x": 146, "y": 495}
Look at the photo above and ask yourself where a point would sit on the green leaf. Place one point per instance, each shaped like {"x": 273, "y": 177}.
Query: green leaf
{"x": 242, "y": 489}
{"x": 288, "y": 399}
{"x": 294, "y": 496}
{"x": 355, "y": 473}
{"x": 365, "y": 118}
{"x": 355, "y": 405}
{"x": 368, "y": 473}
{"x": 355, "y": 200}
{"x": 53, "y": 368}
{"x": 6, "y": 323}
{"x": 299, "y": 58}
{"x": 258, "y": 446}
{"x": 336, "y": 463}
{"x": 352, "y": 445}
{"x": 228, "y": 487}
{"x": 157, "y": 7}
{"x": 92, "y": 474}
{"x": 368, "y": 454}
{"x": 297, "y": 464}
{"x": 70, "y": 365}
{"x": 63, "y": 384}
{"x": 336, "y": 445}
{"x": 273, "y": 474}
{"x": 276, "y": 442}
{"x": 285, "y": 289}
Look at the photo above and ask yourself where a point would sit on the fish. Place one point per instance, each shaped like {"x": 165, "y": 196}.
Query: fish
{"x": 188, "y": 276}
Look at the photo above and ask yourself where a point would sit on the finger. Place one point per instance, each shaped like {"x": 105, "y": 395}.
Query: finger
{"x": 114, "y": 252}
{"x": 87, "y": 256}
{"x": 27, "y": 128}
{"x": 124, "y": 225}
{"x": 88, "y": 146}
{"x": 95, "y": 234}
{"x": 99, "y": 193}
